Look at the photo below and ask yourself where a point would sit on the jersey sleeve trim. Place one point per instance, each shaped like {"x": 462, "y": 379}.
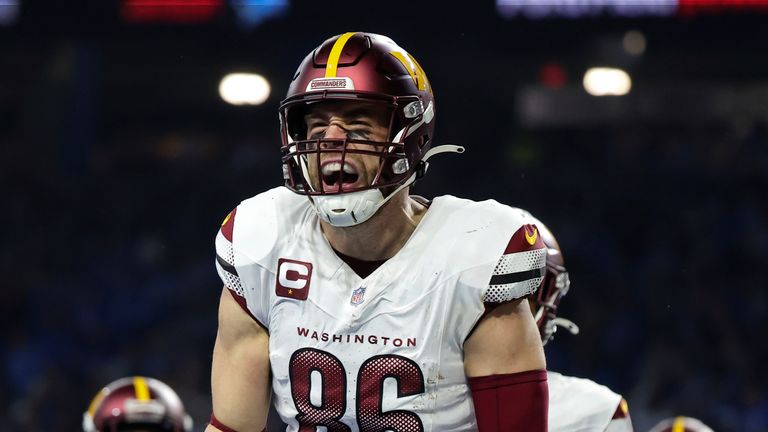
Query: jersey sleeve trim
{"x": 228, "y": 226}
{"x": 225, "y": 255}
{"x": 520, "y": 269}
{"x": 622, "y": 410}
{"x": 229, "y": 268}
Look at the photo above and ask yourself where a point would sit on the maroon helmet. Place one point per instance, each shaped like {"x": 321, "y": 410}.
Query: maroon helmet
{"x": 362, "y": 68}
{"x": 681, "y": 424}
{"x": 136, "y": 403}
{"x": 555, "y": 285}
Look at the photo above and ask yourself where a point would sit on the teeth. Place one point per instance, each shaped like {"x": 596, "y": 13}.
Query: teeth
{"x": 333, "y": 167}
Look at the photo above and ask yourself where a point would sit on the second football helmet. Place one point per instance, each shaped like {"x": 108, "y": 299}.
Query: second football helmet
{"x": 555, "y": 285}
{"x": 370, "y": 69}
{"x": 136, "y": 403}
{"x": 681, "y": 424}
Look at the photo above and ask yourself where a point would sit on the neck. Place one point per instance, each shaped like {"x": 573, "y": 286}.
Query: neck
{"x": 381, "y": 236}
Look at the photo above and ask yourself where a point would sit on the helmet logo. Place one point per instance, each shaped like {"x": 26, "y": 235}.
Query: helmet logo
{"x": 414, "y": 69}
{"x": 342, "y": 83}
{"x": 144, "y": 411}
{"x": 531, "y": 238}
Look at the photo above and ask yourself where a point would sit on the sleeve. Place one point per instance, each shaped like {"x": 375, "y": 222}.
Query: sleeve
{"x": 225, "y": 255}
{"x": 225, "y": 263}
{"x": 520, "y": 269}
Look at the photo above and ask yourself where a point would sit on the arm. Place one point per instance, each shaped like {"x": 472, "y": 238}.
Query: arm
{"x": 240, "y": 378}
{"x": 504, "y": 363}
{"x": 506, "y": 340}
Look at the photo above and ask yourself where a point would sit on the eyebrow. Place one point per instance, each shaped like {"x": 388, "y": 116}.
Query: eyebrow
{"x": 355, "y": 113}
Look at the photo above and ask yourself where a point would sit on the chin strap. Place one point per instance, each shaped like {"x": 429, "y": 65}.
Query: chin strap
{"x": 368, "y": 202}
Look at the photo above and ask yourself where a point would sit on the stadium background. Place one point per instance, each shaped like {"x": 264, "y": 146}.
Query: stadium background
{"x": 119, "y": 159}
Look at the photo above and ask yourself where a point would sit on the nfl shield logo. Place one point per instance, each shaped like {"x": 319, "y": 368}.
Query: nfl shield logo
{"x": 357, "y": 296}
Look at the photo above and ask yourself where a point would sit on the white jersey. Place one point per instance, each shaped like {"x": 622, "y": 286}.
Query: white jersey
{"x": 385, "y": 351}
{"x": 582, "y": 405}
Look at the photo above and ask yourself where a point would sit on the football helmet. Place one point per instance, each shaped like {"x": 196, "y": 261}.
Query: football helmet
{"x": 681, "y": 424}
{"x": 365, "y": 68}
{"x": 554, "y": 287}
{"x": 136, "y": 404}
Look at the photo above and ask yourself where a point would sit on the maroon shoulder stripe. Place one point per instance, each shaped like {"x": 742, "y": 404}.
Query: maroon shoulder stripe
{"x": 228, "y": 226}
{"x": 526, "y": 238}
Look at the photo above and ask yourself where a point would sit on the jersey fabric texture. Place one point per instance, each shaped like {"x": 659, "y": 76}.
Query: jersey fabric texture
{"x": 582, "y": 405}
{"x": 384, "y": 351}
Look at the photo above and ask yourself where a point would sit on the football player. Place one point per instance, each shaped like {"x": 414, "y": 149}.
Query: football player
{"x": 681, "y": 424}
{"x": 373, "y": 310}
{"x": 136, "y": 404}
{"x": 575, "y": 404}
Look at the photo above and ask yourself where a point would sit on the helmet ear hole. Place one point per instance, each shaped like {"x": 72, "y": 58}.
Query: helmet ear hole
{"x": 423, "y": 140}
{"x": 421, "y": 169}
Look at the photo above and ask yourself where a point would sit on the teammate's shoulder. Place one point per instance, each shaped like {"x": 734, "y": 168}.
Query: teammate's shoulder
{"x": 582, "y": 387}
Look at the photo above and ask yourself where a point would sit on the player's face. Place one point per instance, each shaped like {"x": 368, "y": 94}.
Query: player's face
{"x": 353, "y": 120}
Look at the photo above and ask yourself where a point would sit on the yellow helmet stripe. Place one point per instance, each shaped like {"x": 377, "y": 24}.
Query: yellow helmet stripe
{"x": 141, "y": 388}
{"x": 679, "y": 424}
{"x": 333, "y": 57}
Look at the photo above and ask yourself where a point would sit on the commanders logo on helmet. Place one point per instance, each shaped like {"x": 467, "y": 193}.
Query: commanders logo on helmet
{"x": 681, "y": 424}
{"x": 136, "y": 403}
{"x": 554, "y": 287}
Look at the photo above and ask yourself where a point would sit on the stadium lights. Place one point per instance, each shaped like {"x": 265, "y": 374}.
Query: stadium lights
{"x": 9, "y": 12}
{"x": 601, "y": 81}
{"x": 244, "y": 89}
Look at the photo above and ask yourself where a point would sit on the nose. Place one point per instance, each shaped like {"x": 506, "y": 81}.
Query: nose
{"x": 335, "y": 131}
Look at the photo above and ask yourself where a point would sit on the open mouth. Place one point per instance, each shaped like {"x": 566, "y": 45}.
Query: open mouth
{"x": 335, "y": 175}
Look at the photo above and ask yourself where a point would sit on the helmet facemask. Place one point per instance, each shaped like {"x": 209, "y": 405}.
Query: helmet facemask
{"x": 399, "y": 156}
{"x": 555, "y": 287}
